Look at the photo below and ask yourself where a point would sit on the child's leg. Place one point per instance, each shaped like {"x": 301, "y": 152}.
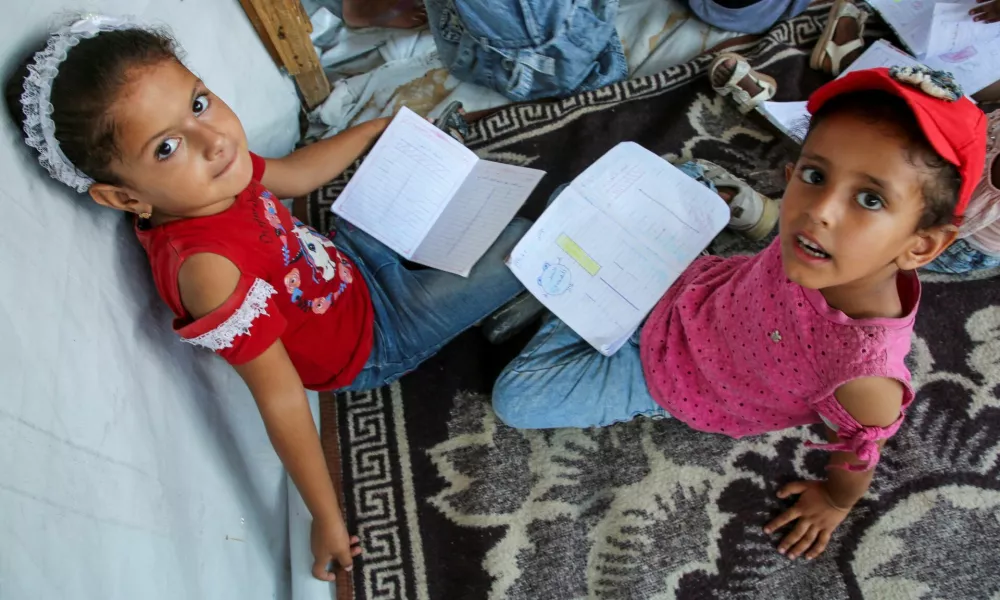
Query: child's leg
{"x": 559, "y": 380}
{"x": 417, "y": 311}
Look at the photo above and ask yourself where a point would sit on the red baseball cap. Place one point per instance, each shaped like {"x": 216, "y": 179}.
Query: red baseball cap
{"x": 954, "y": 126}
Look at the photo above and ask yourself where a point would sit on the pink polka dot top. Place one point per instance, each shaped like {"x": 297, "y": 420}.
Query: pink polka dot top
{"x": 736, "y": 348}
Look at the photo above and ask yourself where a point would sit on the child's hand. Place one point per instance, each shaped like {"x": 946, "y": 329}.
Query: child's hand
{"x": 332, "y": 543}
{"x": 987, "y": 11}
{"x": 817, "y": 517}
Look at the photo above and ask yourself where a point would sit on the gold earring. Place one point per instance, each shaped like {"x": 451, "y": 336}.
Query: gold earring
{"x": 145, "y": 215}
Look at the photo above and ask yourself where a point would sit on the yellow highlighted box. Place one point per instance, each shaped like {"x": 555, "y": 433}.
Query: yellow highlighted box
{"x": 574, "y": 250}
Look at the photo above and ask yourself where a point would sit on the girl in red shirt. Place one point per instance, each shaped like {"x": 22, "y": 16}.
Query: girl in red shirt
{"x": 114, "y": 113}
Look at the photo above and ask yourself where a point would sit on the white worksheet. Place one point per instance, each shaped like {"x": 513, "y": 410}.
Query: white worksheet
{"x": 943, "y": 36}
{"x": 953, "y": 29}
{"x": 792, "y": 118}
{"x": 608, "y": 248}
{"x": 966, "y": 49}
{"x": 431, "y": 199}
{"x": 911, "y": 19}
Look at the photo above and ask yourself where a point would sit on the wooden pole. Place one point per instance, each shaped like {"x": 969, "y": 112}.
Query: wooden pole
{"x": 284, "y": 28}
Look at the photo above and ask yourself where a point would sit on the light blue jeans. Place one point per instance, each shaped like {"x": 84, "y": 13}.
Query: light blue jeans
{"x": 559, "y": 380}
{"x": 527, "y": 49}
{"x": 419, "y": 310}
{"x": 961, "y": 258}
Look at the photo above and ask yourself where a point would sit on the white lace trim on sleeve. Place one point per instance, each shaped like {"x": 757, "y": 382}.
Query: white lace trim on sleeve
{"x": 239, "y": 323}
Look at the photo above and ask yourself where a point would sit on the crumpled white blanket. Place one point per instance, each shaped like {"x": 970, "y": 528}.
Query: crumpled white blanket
{"x": 375, "y": 71}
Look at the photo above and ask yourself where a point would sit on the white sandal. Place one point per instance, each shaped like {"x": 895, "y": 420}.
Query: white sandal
{"x": 826, "y": 47}
{"x": 744, "y": 101}
{"x": 753, "y": 215}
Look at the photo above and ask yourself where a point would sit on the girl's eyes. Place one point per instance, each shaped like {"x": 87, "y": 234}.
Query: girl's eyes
{"x": 166, "y": 148}
{"x": 869, "y": 200}
{"x": 811, "y": 176}
{"x": 200, "y": 104}
{"x": 169, "y": 146}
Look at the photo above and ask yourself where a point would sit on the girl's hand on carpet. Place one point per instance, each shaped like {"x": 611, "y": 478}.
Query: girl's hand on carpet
{"x": 986, "y": 11}
{"x": 817, "y": 518}
{"x": 332, "y": 543}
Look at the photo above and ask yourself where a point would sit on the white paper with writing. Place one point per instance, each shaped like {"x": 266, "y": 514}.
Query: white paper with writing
{"x": 608, "y": 248}
{"x": 431, "y": 199}
{"x": 963, "y": 47}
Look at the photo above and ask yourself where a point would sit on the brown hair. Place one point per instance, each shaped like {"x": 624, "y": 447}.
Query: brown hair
{"x": 89, "y": 80}
{"x": 881, "y": 109}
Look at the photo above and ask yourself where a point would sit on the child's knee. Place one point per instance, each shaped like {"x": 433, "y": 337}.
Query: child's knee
{"x": 507, "y": 399}
{"x": 520, "y": 225}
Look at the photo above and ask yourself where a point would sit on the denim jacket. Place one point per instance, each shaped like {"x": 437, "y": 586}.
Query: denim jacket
{"x": 527, "y": 49}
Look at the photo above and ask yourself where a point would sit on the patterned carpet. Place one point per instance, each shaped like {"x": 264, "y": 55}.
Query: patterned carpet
{"x": 450, "y": 503}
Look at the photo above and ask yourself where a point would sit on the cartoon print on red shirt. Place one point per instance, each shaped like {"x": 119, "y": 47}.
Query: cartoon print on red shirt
{"x": 271, "y": 214}
{"x": 292, "y": 283}
{"x": 321, "y": 305}
{"x": 314, "y": 248}
{"x": 324, "y": 260}
{"x": 344, "y": 270}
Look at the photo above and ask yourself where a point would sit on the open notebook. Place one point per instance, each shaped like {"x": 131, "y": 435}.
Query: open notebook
{"x": 431, "y": 199}
{"x": 605, "y": 251}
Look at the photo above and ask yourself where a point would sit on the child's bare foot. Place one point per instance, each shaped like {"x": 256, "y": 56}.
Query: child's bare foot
{"x": 393, "y": 14}
{"x": 846, "y": 30}
{"x": 731, "y": 75}
{"x": 725, "y": 68}
{"x": 842, "y": 41}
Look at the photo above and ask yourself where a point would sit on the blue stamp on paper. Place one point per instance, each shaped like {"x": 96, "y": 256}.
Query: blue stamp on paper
{"x": 555, "y": 279}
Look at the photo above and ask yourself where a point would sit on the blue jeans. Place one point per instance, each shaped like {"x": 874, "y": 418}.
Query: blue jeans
{"x": 527, "y": 49}
{"x": 960, "y": 258}
{"x": 560, "y": 380}
{"x": 418, "y": 311}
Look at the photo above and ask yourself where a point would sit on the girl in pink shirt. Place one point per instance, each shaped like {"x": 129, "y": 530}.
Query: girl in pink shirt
{"x": 813, "y": 329}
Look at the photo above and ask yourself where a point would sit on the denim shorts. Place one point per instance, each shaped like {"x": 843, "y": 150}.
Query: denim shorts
{"x": 960, "y": 258}
{"x": 528, "y": 49}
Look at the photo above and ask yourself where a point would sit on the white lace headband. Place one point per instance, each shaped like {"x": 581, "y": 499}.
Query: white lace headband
{"x": 36, "y": 100}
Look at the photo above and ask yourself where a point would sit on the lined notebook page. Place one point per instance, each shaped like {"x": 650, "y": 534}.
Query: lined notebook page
{"x": 482, "y": 206}
{"x": 606, "y": 250}
{"x": 668, "y": 213}
{"x": 405, "y": 182}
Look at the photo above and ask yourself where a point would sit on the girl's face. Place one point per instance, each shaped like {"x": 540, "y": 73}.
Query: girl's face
{"x": 183, "y": 152}
{"x": 852, "y": 206}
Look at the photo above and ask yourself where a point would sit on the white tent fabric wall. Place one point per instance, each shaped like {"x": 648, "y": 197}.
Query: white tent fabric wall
{"x": 131, "y": 465}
